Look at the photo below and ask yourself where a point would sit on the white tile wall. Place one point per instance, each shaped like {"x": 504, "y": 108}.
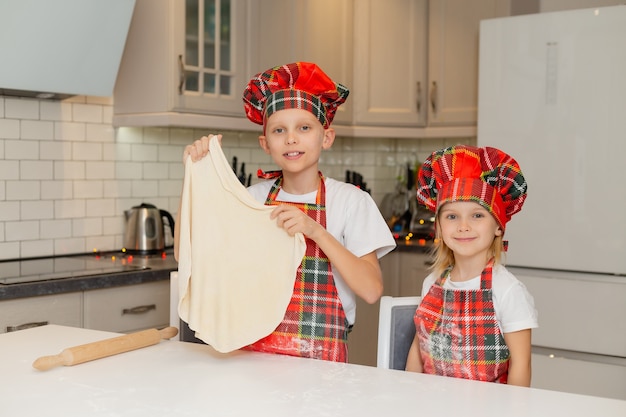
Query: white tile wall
{"x": 66, "y": 175}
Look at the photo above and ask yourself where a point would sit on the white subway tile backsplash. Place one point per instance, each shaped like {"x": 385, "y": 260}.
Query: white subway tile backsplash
{"x": 87, "y": 227}
{"x": 170, "y": 153}
{"x": 140, "y": 152}
{"x": 36, "y": 170}
{"x": 36, "y": 130}
{"x": 129, "y": 135}
{"x": 9, "y": 170}
{"x": 155, "y": 170}
{"x": 55, "y": 150}
{"x": 22, "y": 190}
{"x": 9, "y": 250}
{"x": 100, "y": 208}
{"x": 9, "y": 129}
{"x": 57, "y": 190}
{"x": 70, "y": 131}
{"x": 22, "y": 230}
{"x": 21, "y": 149}
{"x": 70, "y": 245}
{"x": 128, "y": 170}
{"x": 55, "y": 229}
{"x": 116, "y": 152}
{"x": 88, "y": 189}
{"x": 21, "y": 108}
{"x": 86, "y": 113}
{"x": 55, "y": 110}
{"x": 82, "y": 151}
{"x": 99, "y": 133}
{"x": 31, "y": 248}
{"x": 69, "y": 170}
{"x": 156, "y": 135}
{"x": 145, "y": 188}
{"x": 69, "y": 209}
{"x": 101, "y": 243}
{"x": 37, "y": 210}
{"x": 117, "y": 189}
{"x": 96, "y": 170}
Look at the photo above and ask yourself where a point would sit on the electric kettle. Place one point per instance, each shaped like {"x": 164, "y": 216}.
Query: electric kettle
{"x": 145, "y": 231}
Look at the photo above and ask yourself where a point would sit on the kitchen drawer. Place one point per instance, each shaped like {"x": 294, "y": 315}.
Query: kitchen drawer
{"x": 128, "y": 308}
{"x": 61, "y": 309}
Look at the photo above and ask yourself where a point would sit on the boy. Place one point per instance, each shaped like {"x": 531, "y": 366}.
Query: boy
{"x": 344, "y": 230}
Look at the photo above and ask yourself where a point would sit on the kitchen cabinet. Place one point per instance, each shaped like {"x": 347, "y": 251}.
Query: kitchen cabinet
{"x": 183, "y": 59}
{"x": 61, "y": 309}
{"x": 122, "y": 309}
{"x": 318, "y": 31}
{"x": 128, "y": 308}
{"x": 416, "y": 61}
{"x": 403, "y": 275}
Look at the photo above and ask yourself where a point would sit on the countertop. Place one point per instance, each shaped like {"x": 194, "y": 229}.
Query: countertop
{"x": 186, "y": 379}
{"x": 157, "y": 269}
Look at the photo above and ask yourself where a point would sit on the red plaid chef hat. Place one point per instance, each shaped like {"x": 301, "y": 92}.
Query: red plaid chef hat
{"x": 486, "y": 176}
{"x": 301, "y": 85}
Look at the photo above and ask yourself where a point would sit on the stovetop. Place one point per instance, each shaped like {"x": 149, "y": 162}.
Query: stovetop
{"x": 20, "y": 271}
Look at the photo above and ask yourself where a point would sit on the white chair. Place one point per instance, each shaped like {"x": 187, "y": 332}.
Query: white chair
{"x": 396, "y": 330}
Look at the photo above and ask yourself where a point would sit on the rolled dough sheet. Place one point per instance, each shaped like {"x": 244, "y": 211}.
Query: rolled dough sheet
{"x": 236, "y": 266}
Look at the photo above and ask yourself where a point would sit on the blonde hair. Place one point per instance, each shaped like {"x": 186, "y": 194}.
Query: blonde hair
{"x": 443, "y": 257}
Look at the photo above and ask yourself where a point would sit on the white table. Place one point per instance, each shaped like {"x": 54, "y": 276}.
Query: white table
{"x": 184, "y": 379}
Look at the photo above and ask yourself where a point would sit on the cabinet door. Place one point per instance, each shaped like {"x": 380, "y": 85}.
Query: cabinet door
{"x": 453, "y": 28}
{"x": 390, "y": 62}
{"x": 128, "y": 308}
{"x": 318, "y": 31}
{"x": 61, "y": 309}
{"x": 183, "y": 57}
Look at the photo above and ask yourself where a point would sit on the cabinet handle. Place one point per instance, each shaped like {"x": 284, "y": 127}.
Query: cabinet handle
{"x": 433, "y": 97}
{"x": 419, "y": 96}
{"x": 26, "y": 326}
{"x": 181, "y": 76}
{"x": 139, "y": 309}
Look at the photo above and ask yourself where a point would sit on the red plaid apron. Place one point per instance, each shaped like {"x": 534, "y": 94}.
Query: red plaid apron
{"x": 458, "y": 332}
{"x": 315, "y": 325}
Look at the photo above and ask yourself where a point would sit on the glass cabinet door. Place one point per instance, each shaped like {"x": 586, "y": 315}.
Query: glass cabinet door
{"x": 208, "y": 47}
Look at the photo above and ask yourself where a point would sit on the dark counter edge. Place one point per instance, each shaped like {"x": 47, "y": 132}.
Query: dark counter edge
{"x": 86, "y": 283}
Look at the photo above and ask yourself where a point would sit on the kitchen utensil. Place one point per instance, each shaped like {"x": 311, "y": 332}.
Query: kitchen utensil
{"x": 145, "y": 230}
{"x": 103, "y": 348}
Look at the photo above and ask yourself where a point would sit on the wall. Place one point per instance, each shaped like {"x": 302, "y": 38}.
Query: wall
{"x": 66, "y": 175}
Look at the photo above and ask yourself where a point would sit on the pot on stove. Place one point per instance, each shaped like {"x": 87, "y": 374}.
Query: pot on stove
{"x": 145, "y": 231}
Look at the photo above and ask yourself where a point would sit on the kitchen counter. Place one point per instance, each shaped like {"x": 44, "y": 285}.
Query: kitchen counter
{"x": 186, "y": 379}
{"x": 148, "y": 269}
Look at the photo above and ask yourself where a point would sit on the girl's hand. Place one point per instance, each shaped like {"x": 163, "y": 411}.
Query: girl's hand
{"x": 199, "y": 149}
{"x": 294, "y": 220}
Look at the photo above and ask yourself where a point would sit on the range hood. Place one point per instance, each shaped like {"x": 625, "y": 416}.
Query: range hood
{"x": 60, "y": 48}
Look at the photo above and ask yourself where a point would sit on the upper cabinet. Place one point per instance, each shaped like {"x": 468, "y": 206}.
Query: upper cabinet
{"x": 416, "y": 61}
{"x": 183, "y": 59}
{"x": 318, "y": 31}
{"x": 411, "y": 65}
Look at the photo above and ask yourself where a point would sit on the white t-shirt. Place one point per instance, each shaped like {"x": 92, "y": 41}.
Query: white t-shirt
{"x": 352, "y": 217}
{"x": 514, "y": 305}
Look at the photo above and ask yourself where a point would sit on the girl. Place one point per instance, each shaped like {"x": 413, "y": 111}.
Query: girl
{"x": 475, "y": 317}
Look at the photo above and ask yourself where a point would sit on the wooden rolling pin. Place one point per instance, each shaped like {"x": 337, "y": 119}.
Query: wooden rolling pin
{"x": 103, "y": 348}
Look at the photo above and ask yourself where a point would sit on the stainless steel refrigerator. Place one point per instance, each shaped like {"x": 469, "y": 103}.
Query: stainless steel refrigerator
{"x": 552, "y": 93}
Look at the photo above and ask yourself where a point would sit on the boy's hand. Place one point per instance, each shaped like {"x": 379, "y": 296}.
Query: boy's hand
{"x": 294, "y": 220}
{"x": 199, "y": 149}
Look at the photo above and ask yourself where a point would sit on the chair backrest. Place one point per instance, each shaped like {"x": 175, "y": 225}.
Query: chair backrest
{"x": 396, "y": 330}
